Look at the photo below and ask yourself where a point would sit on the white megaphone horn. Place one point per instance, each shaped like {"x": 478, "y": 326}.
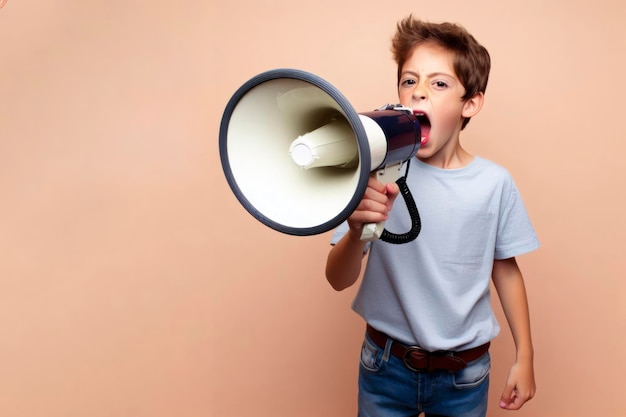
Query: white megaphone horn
{"x": 298, "y": 156}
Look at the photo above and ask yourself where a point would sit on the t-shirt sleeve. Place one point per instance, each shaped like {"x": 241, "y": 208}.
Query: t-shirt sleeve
{"x": 516, "y": 235}
{"x": 339, "y": 232}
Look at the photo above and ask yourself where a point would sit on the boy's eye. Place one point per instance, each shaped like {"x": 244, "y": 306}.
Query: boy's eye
{"x": 440, "y": 84}
{"x": 407, "y": 82}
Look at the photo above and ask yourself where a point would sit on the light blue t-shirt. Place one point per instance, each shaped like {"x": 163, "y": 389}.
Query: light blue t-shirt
{"x": 434, "y": 292}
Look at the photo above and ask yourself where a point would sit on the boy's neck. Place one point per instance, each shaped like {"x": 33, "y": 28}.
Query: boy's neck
{"x": 456, "y": 159}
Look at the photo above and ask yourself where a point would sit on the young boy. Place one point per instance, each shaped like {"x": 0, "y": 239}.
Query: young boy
{"x": 427, "y": 303}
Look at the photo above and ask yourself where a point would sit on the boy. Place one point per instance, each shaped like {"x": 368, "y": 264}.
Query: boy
{"x": 426, "y": 303}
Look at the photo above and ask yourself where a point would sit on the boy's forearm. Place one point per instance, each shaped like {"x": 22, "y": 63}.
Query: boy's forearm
{"x": 520, "y": 385}
{"x": 509, "y": 284}
{"x": 344, "y": 262}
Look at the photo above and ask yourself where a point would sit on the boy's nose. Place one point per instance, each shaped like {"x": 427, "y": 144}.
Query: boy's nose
{"x": 419, "y": 93}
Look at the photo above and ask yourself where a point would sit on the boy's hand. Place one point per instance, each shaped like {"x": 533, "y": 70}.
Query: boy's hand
{"x": 520, "y": 386}
{"x": 374, "y": 207}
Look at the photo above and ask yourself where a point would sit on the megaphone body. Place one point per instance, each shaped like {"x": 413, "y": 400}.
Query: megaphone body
{"x": 298, "y": 156}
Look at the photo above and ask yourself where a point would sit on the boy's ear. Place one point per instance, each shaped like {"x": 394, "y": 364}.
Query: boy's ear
{"x": 472, "y": 106}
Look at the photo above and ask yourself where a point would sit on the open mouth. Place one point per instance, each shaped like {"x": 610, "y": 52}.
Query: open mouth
{"x": 422, "y": 119}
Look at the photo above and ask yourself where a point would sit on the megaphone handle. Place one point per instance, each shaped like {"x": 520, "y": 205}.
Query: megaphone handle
{"x": 391, "y": 173}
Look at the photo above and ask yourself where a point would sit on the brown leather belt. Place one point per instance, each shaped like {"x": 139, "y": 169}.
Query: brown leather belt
{"x": 420, "y": 360}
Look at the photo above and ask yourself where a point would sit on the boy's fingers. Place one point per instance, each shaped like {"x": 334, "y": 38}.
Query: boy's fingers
{"x": 392, "y": 191}
{"x": 375, "y": 184}
{"x": 507, "y": 396}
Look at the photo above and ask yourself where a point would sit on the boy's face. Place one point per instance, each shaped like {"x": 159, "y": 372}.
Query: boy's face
{"x": 428, "y": 84}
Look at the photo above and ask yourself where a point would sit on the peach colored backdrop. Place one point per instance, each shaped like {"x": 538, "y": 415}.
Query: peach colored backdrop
{"x": 132, "y": 283}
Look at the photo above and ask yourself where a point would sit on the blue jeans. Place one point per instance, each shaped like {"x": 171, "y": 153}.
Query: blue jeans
{"x": 387, "y": 388}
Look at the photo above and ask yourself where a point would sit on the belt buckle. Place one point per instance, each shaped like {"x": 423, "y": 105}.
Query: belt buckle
{"x": 424, "y": 354}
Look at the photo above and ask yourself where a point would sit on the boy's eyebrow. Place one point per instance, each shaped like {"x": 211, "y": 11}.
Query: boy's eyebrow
{"x": 431, "y": 75}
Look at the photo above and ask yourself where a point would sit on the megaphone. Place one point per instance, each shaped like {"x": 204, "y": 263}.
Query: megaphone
{"x": 298, "y": 156}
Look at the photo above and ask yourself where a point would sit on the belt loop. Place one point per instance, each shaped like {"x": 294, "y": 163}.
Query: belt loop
{"x": 387, "y": 351}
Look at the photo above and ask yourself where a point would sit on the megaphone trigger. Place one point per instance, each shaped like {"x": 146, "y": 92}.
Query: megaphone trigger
{"x": 392, "y": 173}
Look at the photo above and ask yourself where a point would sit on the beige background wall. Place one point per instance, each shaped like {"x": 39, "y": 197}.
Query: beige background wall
{"x": 133, "y": 284}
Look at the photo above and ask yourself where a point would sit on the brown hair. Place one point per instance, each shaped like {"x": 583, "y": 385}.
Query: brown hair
{"x": 471, "y": 60}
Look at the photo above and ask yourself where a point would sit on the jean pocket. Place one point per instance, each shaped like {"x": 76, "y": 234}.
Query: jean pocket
{"x": 371, "y": 355}
{"x": 474, "y": 374}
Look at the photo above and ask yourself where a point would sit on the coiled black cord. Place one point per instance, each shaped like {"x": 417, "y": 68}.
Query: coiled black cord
{"x": 416, "y": 223}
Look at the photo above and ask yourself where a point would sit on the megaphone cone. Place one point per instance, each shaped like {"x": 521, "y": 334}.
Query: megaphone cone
{"x": 298, "y": 156}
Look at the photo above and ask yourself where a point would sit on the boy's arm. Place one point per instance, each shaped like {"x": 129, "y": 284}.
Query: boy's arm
{"x": 344, "y": 260}
{"x": 509, "y": 283}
